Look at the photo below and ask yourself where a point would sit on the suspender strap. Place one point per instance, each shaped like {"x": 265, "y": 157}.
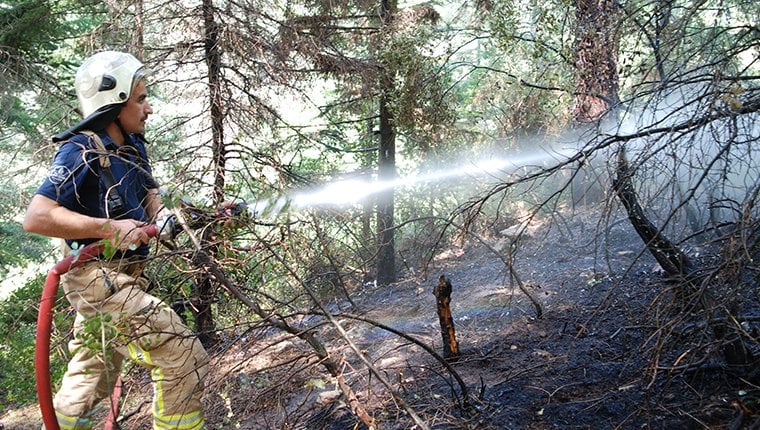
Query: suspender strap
{"x": 105, "y": 160}
{"x": 115, "y": 204}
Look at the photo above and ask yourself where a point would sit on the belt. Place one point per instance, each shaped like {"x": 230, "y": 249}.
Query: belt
{"x": 131, "y": 266}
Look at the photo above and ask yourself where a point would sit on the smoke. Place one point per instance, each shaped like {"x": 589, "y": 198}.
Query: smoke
{"x": 692, "y": 155}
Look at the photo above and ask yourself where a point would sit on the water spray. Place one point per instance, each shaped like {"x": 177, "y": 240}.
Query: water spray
{"x": 346, "y": 192}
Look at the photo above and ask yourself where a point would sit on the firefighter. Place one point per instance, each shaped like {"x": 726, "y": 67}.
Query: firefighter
{"x": 100, "y": 188}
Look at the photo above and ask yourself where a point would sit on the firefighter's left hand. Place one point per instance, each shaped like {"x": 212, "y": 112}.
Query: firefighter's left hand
{"x": 168, "y": 227}
{"x": 229, "y": 212}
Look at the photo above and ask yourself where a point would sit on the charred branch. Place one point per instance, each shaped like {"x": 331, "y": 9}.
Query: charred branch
{"x": 442, "y": 293}
{"x": 672, "y": 260}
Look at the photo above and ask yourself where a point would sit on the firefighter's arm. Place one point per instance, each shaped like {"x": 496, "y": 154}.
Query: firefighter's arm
{"x": 153, "y": 204}
{"x": 46, "y": 217}
{"x": 165, "y": 220}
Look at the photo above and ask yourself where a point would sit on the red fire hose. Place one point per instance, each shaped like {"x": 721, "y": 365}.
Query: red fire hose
{"x": 44, "y": 326}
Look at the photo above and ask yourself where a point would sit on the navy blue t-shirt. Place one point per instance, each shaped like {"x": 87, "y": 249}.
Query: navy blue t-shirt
{"x": 75, "y": 181}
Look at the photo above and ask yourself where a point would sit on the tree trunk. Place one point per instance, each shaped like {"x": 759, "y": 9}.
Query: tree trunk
{"x": 596, "y": 52}
{"x": 676, "y": 264}
{"x": 214, "y": 65}
{"x": 139, "y": 42}
{"x": 204, "y": 296}
{"x": 386, "y": 172}
{"x": 661, "y": 22}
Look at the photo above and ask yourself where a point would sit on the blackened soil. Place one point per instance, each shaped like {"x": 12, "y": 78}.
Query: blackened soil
{"x": 609, "y": 352}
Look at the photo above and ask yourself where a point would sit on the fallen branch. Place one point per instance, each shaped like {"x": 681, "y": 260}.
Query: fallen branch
{"x": 465, "y": 396}
{"x": 319, "y": 349}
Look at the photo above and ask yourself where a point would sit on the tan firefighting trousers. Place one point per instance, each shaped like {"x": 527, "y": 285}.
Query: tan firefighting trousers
{"x": 116, "y": 318}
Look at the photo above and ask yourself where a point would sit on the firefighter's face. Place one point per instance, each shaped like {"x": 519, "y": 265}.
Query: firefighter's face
{"x": 136, "y": 110}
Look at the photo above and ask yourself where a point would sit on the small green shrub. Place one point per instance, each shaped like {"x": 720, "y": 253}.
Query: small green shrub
{"x": 18, "y": 325}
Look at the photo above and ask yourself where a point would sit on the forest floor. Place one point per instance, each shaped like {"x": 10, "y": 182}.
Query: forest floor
{"x": 587, "y": 363}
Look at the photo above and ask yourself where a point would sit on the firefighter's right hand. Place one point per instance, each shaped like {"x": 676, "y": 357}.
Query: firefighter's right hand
{"x": 126, "y": 233}
{"x": 168, "y": 227}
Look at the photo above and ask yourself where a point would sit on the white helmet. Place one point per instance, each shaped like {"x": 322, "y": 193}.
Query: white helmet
{"x": 106, "y": 78}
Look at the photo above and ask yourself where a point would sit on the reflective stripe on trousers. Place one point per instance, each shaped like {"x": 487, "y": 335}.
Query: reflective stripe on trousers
{"x": 73, "y": 423}
{"x": 165, "y": 393}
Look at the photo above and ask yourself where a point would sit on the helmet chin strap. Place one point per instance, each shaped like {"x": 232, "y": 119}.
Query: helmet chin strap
{"x": 124, "y": 133}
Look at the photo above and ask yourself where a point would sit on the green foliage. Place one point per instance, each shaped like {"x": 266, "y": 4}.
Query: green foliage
{"x": 18, "y": 116}
{"x": 98, "y": 333}
{"x": 35, "y": 28}
{"x": 527, "y": 85}
{"x": 18, "y": 323}
{"x": 419, "y": 98}
{"x": 9, "y": 192}
{"x": 17, "y": 247}
{"x": 109, "y": 249}
{"x": 37, "y": 61}
{"x": 25, "y": 26}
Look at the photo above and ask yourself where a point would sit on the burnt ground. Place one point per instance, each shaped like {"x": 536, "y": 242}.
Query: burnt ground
{"x": 594, "y": 360}
{"x": 587, "y": 363}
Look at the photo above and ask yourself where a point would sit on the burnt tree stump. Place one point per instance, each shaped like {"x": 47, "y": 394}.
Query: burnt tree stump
{"x": 442, "y": 293}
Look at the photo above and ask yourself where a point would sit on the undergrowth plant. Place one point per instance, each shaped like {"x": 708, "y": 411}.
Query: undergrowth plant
{"x": 18, "y": 323}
